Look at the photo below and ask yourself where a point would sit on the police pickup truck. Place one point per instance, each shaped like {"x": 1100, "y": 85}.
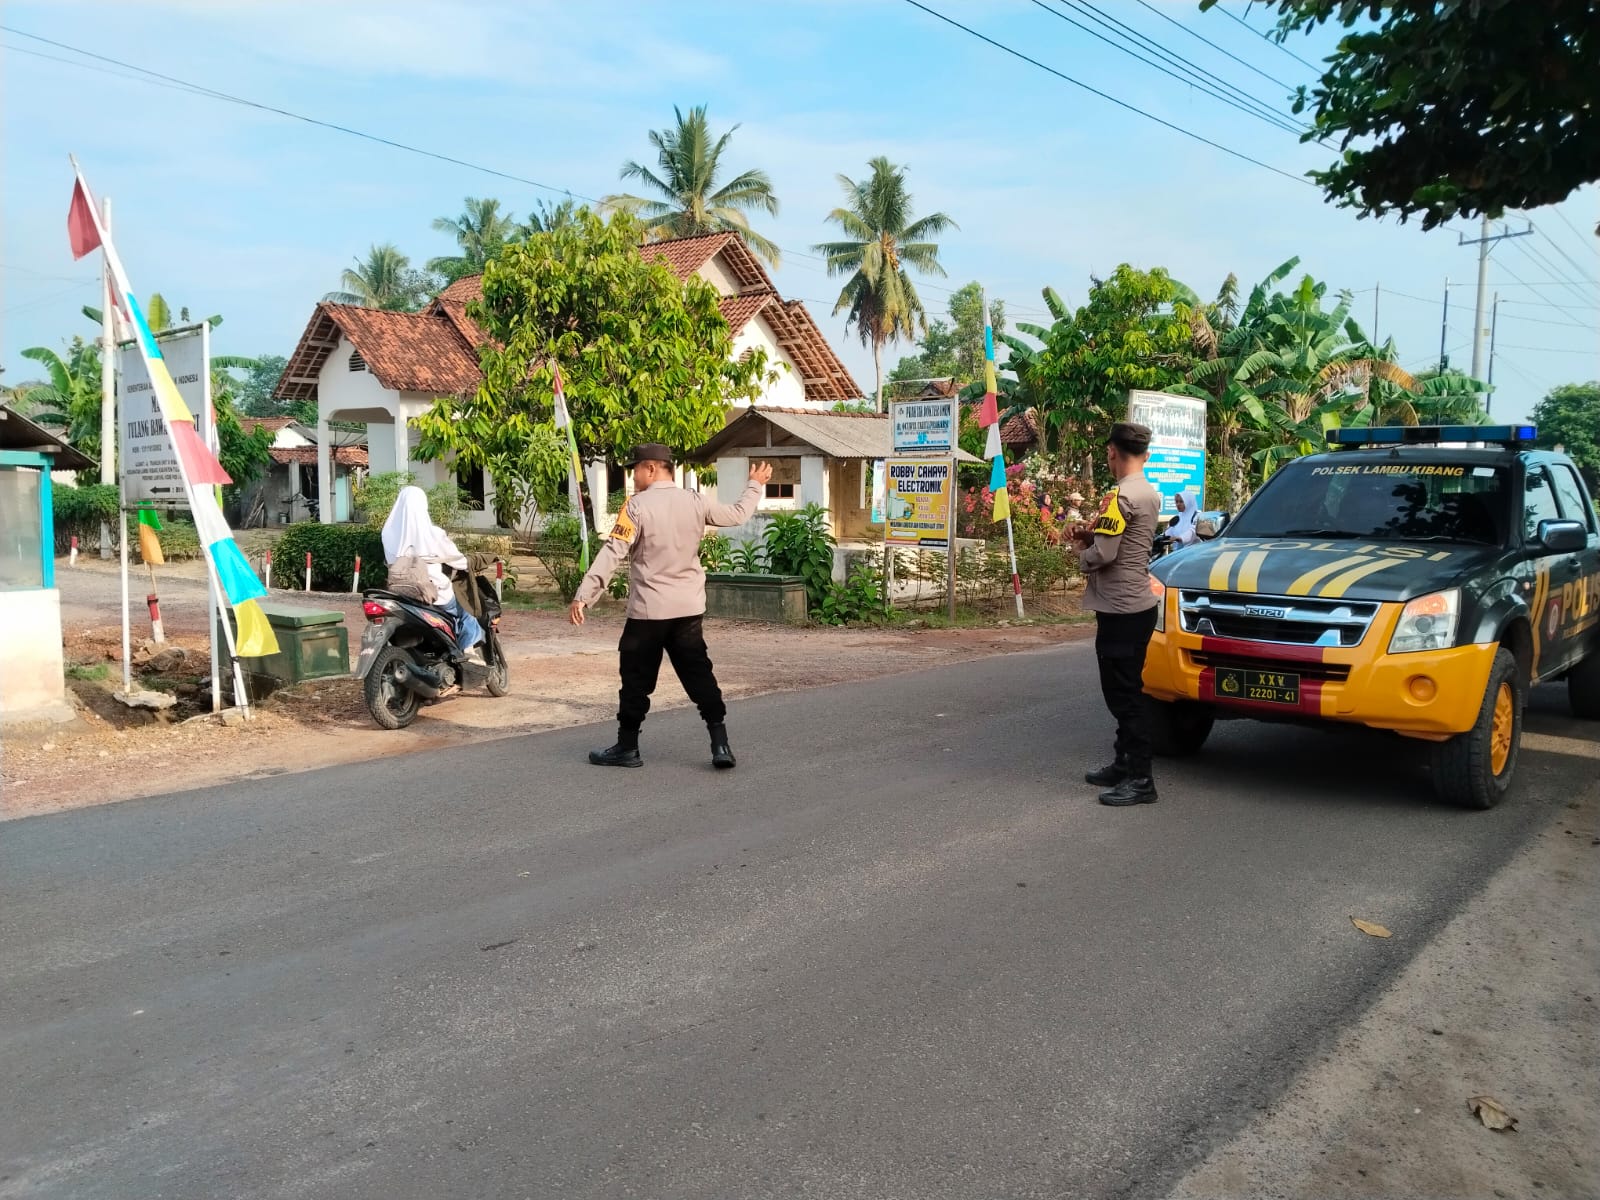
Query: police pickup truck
{"x": 1412, "y": 579}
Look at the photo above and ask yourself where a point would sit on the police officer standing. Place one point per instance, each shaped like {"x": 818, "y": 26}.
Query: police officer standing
{"x": 662, "y": 526}
{"x": 1115, "y": 555}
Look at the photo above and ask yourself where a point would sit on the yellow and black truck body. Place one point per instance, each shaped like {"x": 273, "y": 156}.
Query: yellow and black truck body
{"x": 1413, "y": 588}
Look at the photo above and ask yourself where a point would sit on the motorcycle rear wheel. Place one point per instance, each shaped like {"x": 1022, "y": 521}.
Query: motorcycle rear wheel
{"x": 391, "y": 705}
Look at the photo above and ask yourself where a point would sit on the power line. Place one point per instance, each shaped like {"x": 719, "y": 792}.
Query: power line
{"x": 1271, "y": 41}
{"x": 1123, "y": 104}
{"x": 43, "y": 300}
{"x": 1574, "y": 262}
{"x": 157, "y": 79}
{"x": 1584, "y": 240}
{"x": 1538, "y": 258}
{"x": 1551, "y": 350}
{"x": 1541, "y": 321}
{"x": 1226, "y": 53}
{"x": 1518, "y": 281}
{"x": 1244, "y": 102}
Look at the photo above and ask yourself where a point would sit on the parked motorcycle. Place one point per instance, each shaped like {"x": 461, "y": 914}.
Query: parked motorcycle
{"x": 409, "y": 655}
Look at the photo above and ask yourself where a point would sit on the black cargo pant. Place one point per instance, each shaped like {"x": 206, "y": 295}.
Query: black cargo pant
{"x": 1120, "y": 640}
{"x": 683, "y": 641}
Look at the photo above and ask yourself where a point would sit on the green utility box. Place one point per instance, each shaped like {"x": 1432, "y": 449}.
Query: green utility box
{"x": 311, "y": 644}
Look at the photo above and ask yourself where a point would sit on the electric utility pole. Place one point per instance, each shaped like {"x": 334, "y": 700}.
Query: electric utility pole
{"x": 1483, "y": 242}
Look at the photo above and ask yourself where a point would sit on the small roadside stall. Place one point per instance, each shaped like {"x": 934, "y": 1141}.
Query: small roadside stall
{"x": 33, "y": 683}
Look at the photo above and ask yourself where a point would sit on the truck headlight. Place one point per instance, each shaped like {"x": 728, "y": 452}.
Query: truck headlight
{"x": 1159, "y": 591}
{"x": 1427, "y": 623}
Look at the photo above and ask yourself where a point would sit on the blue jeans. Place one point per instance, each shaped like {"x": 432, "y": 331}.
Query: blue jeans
{"x": 471, "y": 631}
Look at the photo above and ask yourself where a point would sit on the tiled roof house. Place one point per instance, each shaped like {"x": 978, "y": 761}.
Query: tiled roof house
{"x": 386, "y": 368}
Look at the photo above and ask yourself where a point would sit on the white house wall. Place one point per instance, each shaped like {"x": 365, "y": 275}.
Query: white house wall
{"x": 788, "y": 390}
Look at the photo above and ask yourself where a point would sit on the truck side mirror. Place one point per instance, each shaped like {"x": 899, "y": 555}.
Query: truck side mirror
{"x": 1561, "y": 537}
{"x": 1210, "y": 525}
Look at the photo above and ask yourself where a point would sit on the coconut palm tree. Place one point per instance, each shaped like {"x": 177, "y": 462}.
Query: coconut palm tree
{"x": 548, "y": 218}
{"x": 687, "y": 199}
{"x": 884, "y": 241}
{"x": 481, "y": 232}
{"x": 385, "y": 280}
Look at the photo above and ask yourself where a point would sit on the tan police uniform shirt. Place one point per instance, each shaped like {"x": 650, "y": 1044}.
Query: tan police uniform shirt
{"x": 1116, "y": 565}
{"x": 662, "y": 527}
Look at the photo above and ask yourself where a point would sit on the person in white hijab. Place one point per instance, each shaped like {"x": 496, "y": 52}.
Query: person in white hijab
{"x": 410, "y": 532}
{"x": 1182, "y": 530}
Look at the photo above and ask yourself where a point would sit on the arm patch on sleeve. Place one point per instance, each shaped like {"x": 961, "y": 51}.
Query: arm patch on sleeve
{"x": 624, "y": 530}
{"x": 1111, "y": 522}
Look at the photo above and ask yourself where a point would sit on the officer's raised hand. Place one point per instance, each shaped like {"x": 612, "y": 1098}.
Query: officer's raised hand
{"x": 761, "y": 473}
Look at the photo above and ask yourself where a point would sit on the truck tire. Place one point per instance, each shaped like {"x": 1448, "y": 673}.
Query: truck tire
{"x": 1583, "y": 688}
{"x": 1178, "y": 728}
{"x": 1474, "y": 769}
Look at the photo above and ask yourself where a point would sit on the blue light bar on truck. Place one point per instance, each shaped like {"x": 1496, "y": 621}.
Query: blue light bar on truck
{"x": 1430, "y": 435}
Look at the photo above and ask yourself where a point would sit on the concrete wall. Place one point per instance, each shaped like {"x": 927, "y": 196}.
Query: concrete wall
{"x": 32, "y": 686}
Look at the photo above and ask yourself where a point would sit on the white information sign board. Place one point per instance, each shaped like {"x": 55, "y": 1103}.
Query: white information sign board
{"x": 148, "y": 463}
{"x": 1177, "y": 427}
{"x": 924, "y": 426}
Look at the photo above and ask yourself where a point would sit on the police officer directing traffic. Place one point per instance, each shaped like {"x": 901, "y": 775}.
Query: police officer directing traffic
{"x": 661, "y": 527}
{"x": 1115, "y": 555}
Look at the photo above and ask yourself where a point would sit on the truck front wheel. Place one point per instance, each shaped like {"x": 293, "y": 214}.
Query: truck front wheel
{"x": 1178, "y": 728}
{"x": 1474, "y": 769}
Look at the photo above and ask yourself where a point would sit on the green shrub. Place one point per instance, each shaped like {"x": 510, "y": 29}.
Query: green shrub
{"x": 333, "y": 556}
{"x": 78, "y": 511}
{"x": 859, "y": 598}
{"x": 800, "y": 544}
{"x": 716, "y": 552}
{"x": 180, "y": 540}
{"x": 376, "y": 494}
{"x": 557, "y": 549}
{"x": 747, "y": 558}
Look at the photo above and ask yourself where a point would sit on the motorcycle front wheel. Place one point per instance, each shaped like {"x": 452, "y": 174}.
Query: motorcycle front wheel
{"x": 392, "y": 706}
{"x": 499, "y": 680}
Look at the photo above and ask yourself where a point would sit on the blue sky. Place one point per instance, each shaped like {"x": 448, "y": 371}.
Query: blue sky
{"x": 242, "y": 212}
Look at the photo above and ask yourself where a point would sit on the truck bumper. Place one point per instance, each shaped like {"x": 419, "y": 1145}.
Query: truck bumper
{"x": 1430, "y": 694}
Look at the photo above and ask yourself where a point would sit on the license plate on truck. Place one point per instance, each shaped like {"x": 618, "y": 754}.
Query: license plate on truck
{"x": 1261, "y": 687}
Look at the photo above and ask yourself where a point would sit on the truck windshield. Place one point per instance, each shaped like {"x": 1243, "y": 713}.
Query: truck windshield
{"x": 1409, "y": 501}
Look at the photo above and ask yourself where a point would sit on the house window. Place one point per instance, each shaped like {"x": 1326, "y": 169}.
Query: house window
{"x": 785, "y": 483}
{"x": 357, "y": 363}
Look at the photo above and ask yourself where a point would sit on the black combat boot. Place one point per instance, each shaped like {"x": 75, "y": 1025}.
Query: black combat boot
{"x": 721, "y": 753}
{"x": 1133, "y": 790}
{"x": 624, "y": 754}
{"x": 1109, "y": 775}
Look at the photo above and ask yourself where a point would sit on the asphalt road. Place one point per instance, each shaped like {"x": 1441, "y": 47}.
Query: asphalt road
{"x": 899, "y": 953}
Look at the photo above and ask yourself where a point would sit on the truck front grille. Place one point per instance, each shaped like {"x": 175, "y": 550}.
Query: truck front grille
{"x": 1287, "y": 620}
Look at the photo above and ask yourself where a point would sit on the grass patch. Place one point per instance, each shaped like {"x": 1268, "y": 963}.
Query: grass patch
{"x": 88, "y": 672}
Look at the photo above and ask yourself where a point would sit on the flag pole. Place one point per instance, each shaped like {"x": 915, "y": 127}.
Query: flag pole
{"x": 991, "y": 387}
{"x": 108, "y": 380}
{"x": 575, "y": 472}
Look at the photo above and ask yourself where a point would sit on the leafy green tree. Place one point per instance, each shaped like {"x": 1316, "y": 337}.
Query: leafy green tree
{"x": 70, "y": 399}
{"x": 952, "y": 349}
{"x": 687, "y": 199}
{"x": 884, "y": 240}
{"x": 1569, "y": 416}
{"x": 1126, "y": 336}
{"x": 386, "y": 280}
{"x": 254, "y": 392}
{"x": 644, "y": 357}
{"x": 480, "y": 232}
{"x": 1453, "y": 109}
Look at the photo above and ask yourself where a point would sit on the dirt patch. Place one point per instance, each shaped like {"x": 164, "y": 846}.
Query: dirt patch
{"x": 560, "y": 676}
